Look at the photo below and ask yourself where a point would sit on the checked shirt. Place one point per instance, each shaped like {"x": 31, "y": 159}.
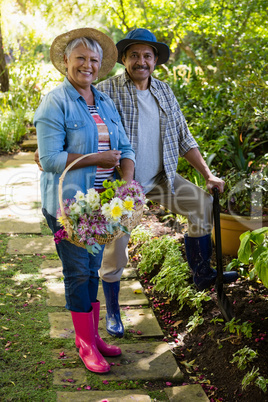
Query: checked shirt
{"x": 176, "y": 137}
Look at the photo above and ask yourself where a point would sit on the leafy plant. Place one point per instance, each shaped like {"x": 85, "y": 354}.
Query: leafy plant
{"x": 262, "y": 383}
{"x": 173, "y": 275}
{"x": 254, "y": 250}
{"x": 250, "y": 377}
{"x": 243, "y": 357}
{"x": 194, "y": 321}
{"x": 140, "y": 234}
{"x": 234, "y": 326}
{"x": 245, "y": 193}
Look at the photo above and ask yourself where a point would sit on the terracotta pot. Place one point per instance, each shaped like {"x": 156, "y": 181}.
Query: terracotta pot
{"x": 232, "y": 226}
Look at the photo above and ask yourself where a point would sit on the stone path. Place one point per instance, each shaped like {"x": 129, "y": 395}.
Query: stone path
{"x": 146, "y": 358}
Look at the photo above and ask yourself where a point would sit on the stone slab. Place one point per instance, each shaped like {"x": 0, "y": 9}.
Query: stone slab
{"x": 20, "y": 194}
{"x": 186, "y": 393}
{"x": 40, "y": 245}
{"x": 99, "y": 396}
{"x": 51, "y": 269}
{"x": 131, "y": 294}
{"x": 142, "y": 320}
{"x": 29, "y": 145}
{"x": 129, "y": 273}
{"x": 152, "y": 361}
{"x": 16, "y": 160}
{"x": 78, "y": 375}
{"x": 19, "y": 226}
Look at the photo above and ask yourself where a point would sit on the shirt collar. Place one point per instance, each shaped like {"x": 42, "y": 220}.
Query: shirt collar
{"x": 126, "y": 78}
{"x": 74, "y": 94}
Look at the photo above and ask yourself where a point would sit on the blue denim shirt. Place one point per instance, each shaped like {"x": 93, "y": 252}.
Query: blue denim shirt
{"x": 64, "y": 125}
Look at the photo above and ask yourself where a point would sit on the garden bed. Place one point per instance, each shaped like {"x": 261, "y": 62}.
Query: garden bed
{"x": 204, "y": 355}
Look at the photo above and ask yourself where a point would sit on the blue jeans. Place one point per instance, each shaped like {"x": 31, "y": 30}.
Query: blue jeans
{"x": 80, "y": 271}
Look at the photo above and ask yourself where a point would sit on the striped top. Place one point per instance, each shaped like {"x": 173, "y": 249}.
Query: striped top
{"x": 103, "y": 145}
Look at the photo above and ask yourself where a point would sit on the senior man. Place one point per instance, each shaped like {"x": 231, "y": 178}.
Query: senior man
{"x": 159, "y": 135}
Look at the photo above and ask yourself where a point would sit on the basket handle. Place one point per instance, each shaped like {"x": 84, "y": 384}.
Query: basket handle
{"x": 62, "y": 178}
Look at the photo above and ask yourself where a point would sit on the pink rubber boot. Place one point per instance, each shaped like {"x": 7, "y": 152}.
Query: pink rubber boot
{"x": 104, "y": 348}
{"x": 88, "y": 351}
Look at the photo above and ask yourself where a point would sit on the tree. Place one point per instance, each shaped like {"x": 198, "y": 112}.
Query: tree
{"x": 4, "y": 78}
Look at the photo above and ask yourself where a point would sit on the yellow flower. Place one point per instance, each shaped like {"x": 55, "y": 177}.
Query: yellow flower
{"x": 116, "y": 212}
{"x": 128, "y": 204}
{"x": 61, "y": 221}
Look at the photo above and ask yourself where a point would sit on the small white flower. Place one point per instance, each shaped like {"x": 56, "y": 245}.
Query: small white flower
{"x": 116, "y": 202}
{"x": 106, "y": 210}
{"x": 75, "y": 209}
{"x": 92, "y": 197}
{"x": 79, "y": 196}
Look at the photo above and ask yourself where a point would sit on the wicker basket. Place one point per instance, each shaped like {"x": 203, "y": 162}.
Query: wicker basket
{"x": 129, "y": 223}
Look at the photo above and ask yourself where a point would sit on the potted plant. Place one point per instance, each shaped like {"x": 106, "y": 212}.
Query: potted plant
{"x": 244, "y": 204}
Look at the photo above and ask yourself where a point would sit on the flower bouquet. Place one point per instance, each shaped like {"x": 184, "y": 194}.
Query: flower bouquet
{"x": 92, "y": 219}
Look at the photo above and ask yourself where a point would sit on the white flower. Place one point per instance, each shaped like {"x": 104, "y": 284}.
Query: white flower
{"x": 95, "y": 206}
{"x": 116, "y": 202}
{"x": 92, "y": 197}
{"x": 79, "y": 196}
{"x": 106, "y": 210}
{"x": 117, "y": 208}
{"x": 75, "y": 209}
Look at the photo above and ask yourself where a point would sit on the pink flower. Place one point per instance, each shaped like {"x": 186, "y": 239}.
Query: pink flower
{"x": 60, "y": 235}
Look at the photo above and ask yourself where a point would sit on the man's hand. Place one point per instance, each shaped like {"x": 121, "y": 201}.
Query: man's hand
{"x": 213, "y": 181}
{"x": 37, "y": 161}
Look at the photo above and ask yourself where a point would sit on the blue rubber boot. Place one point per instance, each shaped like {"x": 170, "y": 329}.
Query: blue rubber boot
{"x": 198, "y": 252}
{"x": 114, "y": 324}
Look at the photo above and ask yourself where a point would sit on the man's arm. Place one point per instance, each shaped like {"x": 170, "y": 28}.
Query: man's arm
{"x": 127, "y": 169}
{"x": 195, "y": 158}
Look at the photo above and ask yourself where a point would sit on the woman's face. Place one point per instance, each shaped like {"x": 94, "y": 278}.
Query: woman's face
{"x": 83, "y": 67}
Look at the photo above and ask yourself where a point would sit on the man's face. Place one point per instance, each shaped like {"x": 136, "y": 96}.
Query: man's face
{"x": 140, "y": 62}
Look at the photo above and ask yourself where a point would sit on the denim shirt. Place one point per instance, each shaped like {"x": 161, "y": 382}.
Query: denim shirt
{"x": 64, "y": 125}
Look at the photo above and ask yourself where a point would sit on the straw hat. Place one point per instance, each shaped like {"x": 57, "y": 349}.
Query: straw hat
{"x": 144, "y": 36}
{"x": 60, "y": 42}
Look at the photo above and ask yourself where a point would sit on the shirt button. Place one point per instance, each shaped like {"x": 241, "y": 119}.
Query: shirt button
{"x": 111, "y": 132}
{"x": 104, "y": 118}
{"x": 75, "y": 125}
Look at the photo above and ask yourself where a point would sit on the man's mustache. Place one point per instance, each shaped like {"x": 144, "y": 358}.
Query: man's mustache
{"x": 138, "y": 66}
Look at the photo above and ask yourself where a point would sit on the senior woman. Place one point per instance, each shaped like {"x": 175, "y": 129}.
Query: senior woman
{"x": 72, "y": 120}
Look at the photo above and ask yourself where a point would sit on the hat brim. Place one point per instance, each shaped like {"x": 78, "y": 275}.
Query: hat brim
{"x": 162, "y": 49}
{"x": 60, "y": 42}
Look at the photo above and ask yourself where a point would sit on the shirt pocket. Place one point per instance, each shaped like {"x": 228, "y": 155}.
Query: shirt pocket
{"x": 115, "y": 129}
{"x": 76, "y": 133}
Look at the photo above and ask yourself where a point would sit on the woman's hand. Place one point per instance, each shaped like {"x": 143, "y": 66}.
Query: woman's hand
{"x": 109, "y": 159}
{"x": 37, "y": 161}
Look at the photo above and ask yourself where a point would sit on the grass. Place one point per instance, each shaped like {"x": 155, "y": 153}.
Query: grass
{"x": 27, "y": 361}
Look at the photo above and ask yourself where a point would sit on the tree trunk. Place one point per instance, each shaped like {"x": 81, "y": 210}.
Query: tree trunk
{"x": 4, "y": 79}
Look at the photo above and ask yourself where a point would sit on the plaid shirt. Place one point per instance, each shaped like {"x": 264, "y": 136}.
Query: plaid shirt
{"x": 176, "y": 137}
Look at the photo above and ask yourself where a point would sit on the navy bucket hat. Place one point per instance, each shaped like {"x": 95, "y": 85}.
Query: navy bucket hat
{"x": 141, "y": 35}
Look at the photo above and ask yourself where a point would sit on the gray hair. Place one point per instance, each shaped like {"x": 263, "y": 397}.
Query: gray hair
{"x": 89, "y": 43}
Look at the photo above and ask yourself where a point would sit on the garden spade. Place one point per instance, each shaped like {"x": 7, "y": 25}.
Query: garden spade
{"x": 223, "y": 301}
